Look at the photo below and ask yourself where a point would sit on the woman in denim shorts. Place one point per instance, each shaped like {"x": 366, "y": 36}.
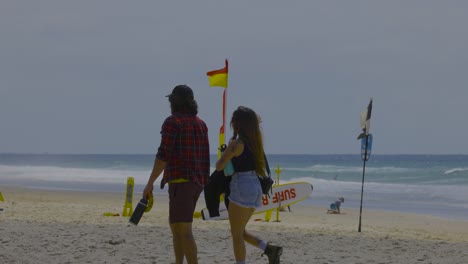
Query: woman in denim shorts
{"x": 245, "y": 151}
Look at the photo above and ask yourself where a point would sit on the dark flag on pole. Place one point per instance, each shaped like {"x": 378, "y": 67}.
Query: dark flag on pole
{"x": 366, "y": 147}
{"x": 365, "y": 120}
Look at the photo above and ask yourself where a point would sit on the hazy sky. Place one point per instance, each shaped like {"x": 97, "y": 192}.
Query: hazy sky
{"x": 90, "y": 76}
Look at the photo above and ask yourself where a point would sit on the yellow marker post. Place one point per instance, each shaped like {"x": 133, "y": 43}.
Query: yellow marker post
{"x": 128, "y": 208}
{"x": 268, "y": 215}
{"x": 278, "y": 173}
{"x": 270, "y": 212}
{"x": 1, "y": 198}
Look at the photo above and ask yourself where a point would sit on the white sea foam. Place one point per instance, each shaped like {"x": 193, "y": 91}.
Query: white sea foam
{"x": 58, "y": 174}
{"x": 345, "y": 169}
{"x": 455, "y": 170}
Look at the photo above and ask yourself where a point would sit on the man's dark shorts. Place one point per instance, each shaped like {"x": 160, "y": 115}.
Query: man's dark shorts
{"x": 183, "y": 199}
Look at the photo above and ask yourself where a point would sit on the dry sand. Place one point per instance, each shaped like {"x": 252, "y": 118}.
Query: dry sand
{"x": 38, "y": 226}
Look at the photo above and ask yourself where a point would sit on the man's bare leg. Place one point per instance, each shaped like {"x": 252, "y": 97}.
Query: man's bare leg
{"x": 184, "y": 243}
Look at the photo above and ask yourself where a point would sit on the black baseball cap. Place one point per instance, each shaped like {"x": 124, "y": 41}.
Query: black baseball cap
{"x": 182, "y": 91}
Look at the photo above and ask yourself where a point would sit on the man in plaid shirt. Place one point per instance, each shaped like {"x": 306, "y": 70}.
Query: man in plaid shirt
{"x": 184, "y": 156}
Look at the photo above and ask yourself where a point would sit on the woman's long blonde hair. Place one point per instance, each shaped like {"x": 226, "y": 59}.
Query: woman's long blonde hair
{"x": 246, "y": 125}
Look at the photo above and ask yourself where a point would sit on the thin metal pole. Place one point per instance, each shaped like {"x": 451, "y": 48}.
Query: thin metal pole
{"x": 362, "y": 188}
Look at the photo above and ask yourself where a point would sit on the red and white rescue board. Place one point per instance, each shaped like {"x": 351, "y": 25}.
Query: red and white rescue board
{"x": 282, "y": 195}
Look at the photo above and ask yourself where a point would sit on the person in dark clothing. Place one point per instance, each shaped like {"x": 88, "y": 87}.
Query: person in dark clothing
{"x": 183, "y": 155}
{"x": 245, "y": 151}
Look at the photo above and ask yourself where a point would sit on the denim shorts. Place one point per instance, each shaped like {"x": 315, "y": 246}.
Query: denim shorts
{"x": 245, "y": 189}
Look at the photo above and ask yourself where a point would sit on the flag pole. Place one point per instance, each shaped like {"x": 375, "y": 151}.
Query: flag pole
{"x": 362, "y": 186}
{"x": 222, "y": 128}
{"x": 219, "y": 78}
{"x": 366, "y": 146}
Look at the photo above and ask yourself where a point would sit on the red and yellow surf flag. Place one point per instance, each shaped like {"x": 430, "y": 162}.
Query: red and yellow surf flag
{"x": 219, "y": 78}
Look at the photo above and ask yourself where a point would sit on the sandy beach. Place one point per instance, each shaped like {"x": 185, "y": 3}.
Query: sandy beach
{"x": 43, "y": 226}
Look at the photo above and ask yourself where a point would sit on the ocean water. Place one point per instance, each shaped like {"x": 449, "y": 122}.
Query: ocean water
{"x": 424, "y": 184}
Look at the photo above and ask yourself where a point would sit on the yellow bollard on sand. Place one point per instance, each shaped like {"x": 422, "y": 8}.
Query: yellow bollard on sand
{"x": 278, "y": 173}
{"x": 270, "y": 212}
{"x": 128, "y": 208}
{"x": 1, "y": 200}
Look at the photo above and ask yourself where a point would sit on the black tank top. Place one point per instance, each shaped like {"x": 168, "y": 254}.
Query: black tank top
{"x": 245, "y": 161}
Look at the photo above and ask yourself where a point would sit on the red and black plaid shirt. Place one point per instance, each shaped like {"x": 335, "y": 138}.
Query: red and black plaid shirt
{"x": 185, "y": 149}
